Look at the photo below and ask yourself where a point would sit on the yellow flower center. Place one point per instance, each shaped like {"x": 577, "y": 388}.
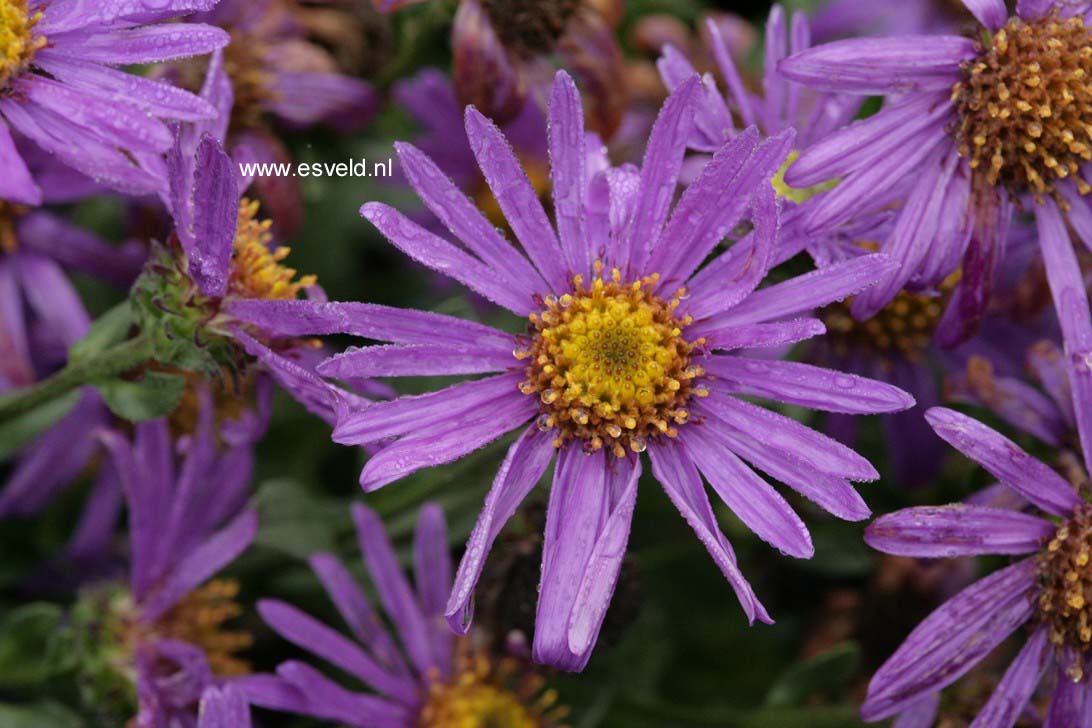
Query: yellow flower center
{"x": 17, "y": 40}
{"x": 609, "y": 364}
{"x": 797, "y": 194}
{"x": 487, "y": 695}
{"x": 199, "y": 620}
{"x": 256, "y": 270}
{"x": 1026, "y": 106}
{"x": 902, "y": 328}
{"x": 1065, "y": 584}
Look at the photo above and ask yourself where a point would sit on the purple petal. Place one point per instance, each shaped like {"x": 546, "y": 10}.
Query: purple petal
{"x": 147, "y": 44}
{"x": 566, "y": 139}
{"x": 467, "y": 223}
{"x": 440, "y": 255}
{"x": 810, "y": 291}
{"x": 750, "y": 497}
{"x": 16, "y": 185}
{"x": 577, "y": 509}
{"x": 517, "y": 198}
{"x": 1008, "y": 699}
{"x": 223, "y": 708}
{"x": 881, "y": 66}
{"x": 1069, "y": 704}
{"x": 432, "y": 575}
{"x": 216, "y": 552}
{"x": 730, "y": 337}
{"x": 311, "y": 635}
{"x": 74, "y": 247}
{"x": 672, "y": 466}
{"x": 447, "y": 440}
{"x": 399, "y": 417}
{"x": 660, "y": 172}
{"x": 604, "y": 565}
{"x": 305, "y": 99}
{"x": 921, "y": 714}
{"x": 523, "y": 466}
{"x": 355, "y": 609}
{"x": 944, "y": 532}
{"x": 782, "y": 433}
{"x": 326, "y": 699}
{"x": 991, "y": 13}
{"x": 216, "y": 205}
{"x": 398, "y": 599}
{"x": 806, "y": 385}
{"x": 952, "y": 640}
{"x": 65, "y": 16}
{"x": 1071, "y": 304}
{"x": 1008, "y": 463}
{"x": 370, "y": 321}
{"x": 416, "y": 361}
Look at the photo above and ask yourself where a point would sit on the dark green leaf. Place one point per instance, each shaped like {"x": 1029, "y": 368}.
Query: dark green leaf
{"x": 827, "y": 673}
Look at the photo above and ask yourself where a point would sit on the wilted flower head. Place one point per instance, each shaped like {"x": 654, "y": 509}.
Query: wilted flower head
{"x": 435, "y": 680}
{"x": 157, "y": 642}
{"x": 500, "y": 47}
{"x": 618, "y": 358}
{"x": 58, "y": 87}
{"x": 975, "y": 127}
{"x": 221, "y": 252}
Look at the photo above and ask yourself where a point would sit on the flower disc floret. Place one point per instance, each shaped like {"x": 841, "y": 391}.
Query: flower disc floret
{"x": 610, "y": 365}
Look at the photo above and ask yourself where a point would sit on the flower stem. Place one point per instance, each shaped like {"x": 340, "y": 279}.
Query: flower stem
{"x": 110, "y": 363}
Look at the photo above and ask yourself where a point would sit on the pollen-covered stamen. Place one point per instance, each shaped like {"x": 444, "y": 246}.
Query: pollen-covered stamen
{"x": 200, "y": 619}
{"x": 1065, "y": 587}
{"x": 530, "y": 27}
{"x": 1025, "y": 106}
{"x": 489, "y": 694}
{"x": 18, "y": 41}
{"x": 256, "y": 270}
{"x": 609, "y": 364}
{"x": 902, "y": 328}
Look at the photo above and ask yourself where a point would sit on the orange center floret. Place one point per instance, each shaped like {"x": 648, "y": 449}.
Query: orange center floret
{"x": 17, "y": 40}
{"x": 1065, "y": 582}
{"x": 199, "y": 620}
{"x": 256, "y": 270}
{"x": 487, "y": 695}
{"x": 609, "y": 364}
{"x": 1026, "y": 106}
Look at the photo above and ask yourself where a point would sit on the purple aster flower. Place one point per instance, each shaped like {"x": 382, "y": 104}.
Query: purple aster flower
{"x": 165, "y": 631}
{"x": 1047, "y": 588}
{"x": 59, "y": 88}
{"x": 977, "y": 128}
{"x": 435, "y": 680}
{"x": 781, "y": 105}
{"x": 618, "y": 358}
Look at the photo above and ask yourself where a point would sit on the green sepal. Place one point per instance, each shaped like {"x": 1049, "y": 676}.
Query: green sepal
{"x": 155, "y": 394}
{"x": 36, "y": 644}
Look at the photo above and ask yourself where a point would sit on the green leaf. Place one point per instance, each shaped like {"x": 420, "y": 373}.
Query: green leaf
{"x": 21, "y": 430}
{"x": 828, "y": 673}
{"x": 109, "y": 329}
{"x": 35, "y": 645}
{"x": 155, "y": 394}
{"x": 46, "y": 714}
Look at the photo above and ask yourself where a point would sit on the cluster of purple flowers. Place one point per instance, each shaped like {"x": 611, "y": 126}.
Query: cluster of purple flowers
{"x": 778, "y": 248}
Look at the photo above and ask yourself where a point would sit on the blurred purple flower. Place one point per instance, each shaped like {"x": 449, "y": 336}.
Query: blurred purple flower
{"x": 1050, "y": 588}
{"x": 58, "y": 87}
{"x": 782, "y": 104}
{"x": 836, "y": 19}
{"x": 186, "y": 522}
{"x": 438, "y": 680}
{"x": 618, "y": 359}
{"x": 972, "y": 131}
